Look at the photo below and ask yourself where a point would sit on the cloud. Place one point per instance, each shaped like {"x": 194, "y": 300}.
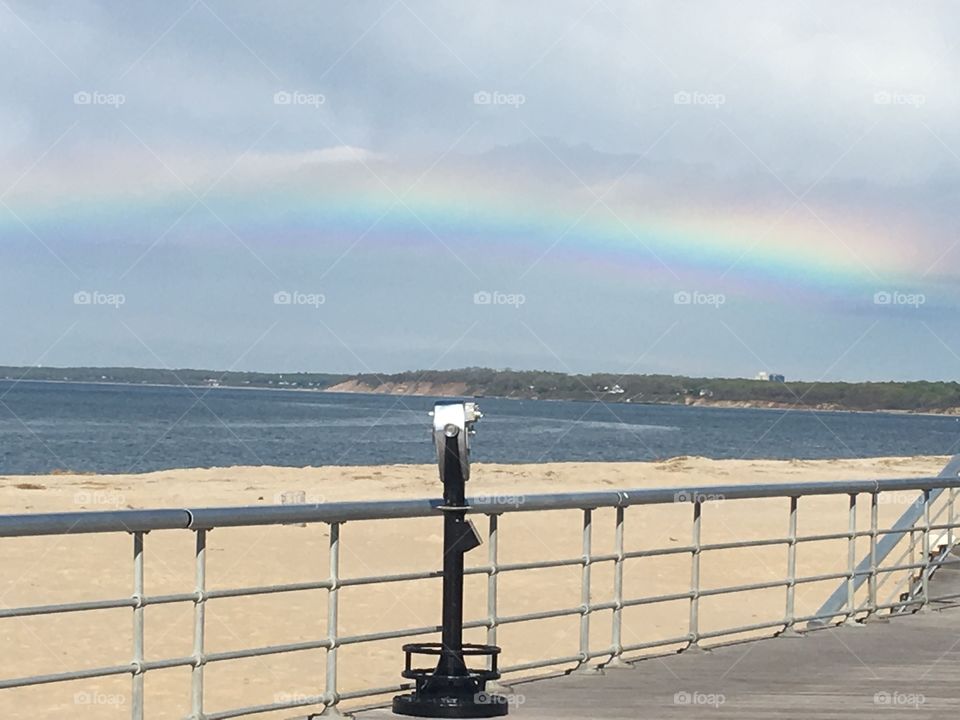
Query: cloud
{"x": 812, "y": 136}
{"x": 799, "y": 82}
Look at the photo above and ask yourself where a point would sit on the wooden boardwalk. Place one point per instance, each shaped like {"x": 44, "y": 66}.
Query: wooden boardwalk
{"x": 907, "y": 668}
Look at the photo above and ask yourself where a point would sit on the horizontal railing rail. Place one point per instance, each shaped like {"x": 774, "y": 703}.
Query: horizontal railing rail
{"x": 200, "y": 521}
{"x": 102, "y": 521}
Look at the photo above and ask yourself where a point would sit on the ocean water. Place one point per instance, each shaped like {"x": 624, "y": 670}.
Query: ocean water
{"x": 117, "y": 429}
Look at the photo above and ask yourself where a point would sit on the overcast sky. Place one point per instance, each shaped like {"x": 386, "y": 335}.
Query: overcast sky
{"x": 696, "y": 188}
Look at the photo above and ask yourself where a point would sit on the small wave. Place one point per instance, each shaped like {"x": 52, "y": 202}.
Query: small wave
{"x": 569, "y": 426}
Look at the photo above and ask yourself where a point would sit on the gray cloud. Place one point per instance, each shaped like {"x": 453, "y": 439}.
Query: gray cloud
{"x": 851, "y": 108}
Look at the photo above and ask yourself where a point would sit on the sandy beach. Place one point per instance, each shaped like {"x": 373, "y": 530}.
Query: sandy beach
{"x": 63, "y": 569}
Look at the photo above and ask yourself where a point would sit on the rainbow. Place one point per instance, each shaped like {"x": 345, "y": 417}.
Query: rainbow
{"x": 749, "y": 246}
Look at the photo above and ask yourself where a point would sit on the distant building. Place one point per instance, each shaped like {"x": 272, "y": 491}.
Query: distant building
{"x": 762, "y": 375}
{"x": 765, "y": 376}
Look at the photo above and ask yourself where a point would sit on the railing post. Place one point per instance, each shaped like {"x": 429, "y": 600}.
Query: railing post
{"x": 925, "y": 570}
{"x": 913, "y": 546}
{"x": 616, "y": 645}
{"x": 951, "y": 516}
{"x": 136, "y": 703}
{"x": 199, "y": 617}
{"x": 695, "y": 580}
{"x": 331, "y": 697}
{"x": 791, "y": 611}
{"x": 492, "y": 581}
{"x": 874, "y": 527}
{"x": 851, "y": 562}
{"x": 585, "y": 666}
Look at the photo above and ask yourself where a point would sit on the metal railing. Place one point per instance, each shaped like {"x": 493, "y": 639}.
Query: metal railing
{"x": 689, "y": 557}
{"x": 920, "y": 510}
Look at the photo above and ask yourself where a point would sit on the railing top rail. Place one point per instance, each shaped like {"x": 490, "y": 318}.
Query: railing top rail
{"x": 211, "y": 517}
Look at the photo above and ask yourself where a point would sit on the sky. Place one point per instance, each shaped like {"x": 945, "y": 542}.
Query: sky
{"x": 710, "y": 189}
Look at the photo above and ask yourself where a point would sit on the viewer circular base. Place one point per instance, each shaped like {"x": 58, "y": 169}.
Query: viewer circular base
{"x": 481, "y": 705}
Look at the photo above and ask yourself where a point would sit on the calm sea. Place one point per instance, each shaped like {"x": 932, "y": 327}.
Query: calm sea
{"x": 117, "y": 429}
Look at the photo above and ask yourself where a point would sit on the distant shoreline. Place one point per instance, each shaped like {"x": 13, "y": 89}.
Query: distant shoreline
{"x": 190, "y": 386}
{"x": 430, "y": 390}
{"x": 340, "y": 389}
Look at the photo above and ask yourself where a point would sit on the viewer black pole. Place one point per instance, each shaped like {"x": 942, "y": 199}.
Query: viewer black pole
{"x": 454, "y": 527}
{"x": 452, "y": 690}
